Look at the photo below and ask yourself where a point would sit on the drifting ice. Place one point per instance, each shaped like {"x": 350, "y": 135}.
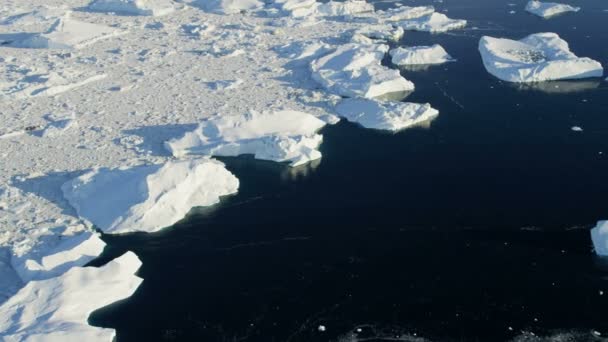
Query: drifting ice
{"x": 538, "y": 57}
{"x": 549, "y": 9}
{"x": 283, "y": 136}
{"x": 148, "y": 198}
{"x": 436, "y": 23}
{"x": 420, "y": 55}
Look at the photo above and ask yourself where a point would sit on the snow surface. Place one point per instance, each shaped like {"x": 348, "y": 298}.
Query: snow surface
{"x": 282, "y": 136}
{"x": 419, "y": 55}
{"x": 355, "y": 70}
{"x": 599, "y": 236}
{"x": 148, "y": 198}
{"x": 537, "y": 57}
{"x": 549, "y": 9}
{"x": 134, "y": 7}
{"x": 385, "y": 115}
{"x": 57, "y": 309}
{"x": 435, "y": 23}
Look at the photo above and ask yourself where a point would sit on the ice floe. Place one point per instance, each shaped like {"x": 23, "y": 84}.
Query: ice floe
{"x": 57, "y": 309}
{"x": 148, "y": 198}
{"x": 435, "y": 23}
{"x": 404, "y": 13}
{"x": 228, "y": 6}
{"x": 355, "y": 70}
{"x": 282, "y": 136}
{"x": 385, "y": 115}
{"x": 599, "y": 236}
{"x": 383, "y": 32}
{"x": 549, "y": 9}
{"x": 134, "y": 7}
{"x": 538, "y": 57}
{"x": 415, "y": 55}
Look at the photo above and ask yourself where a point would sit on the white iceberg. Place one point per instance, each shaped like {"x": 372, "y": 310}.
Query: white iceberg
{"x": 355, "y": 70}
{"x": 332, "y": 9}
{"x": 67, "y": 33}
{"x": 57, "y": 309}
{"x": 282, "y": 136}
{"x": 599, "y": 236}
{"x": 291, "y": 5}
{"x": 383, "y": 32}
{"x": 148, "y": 198}
{"x": 416, "y": 55}
{"x": 228, "y": 6}
{"x": 134, "y": 7}
{"x": 404, "y": 13}
{"x": 436, "y": 23}
{"x": 385, "y": 115}
{"x": 549, "y": 9}
{"x": 538, "y": 57}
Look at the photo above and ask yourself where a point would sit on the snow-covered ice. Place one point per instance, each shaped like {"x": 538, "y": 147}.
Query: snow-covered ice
{"x": 549, "y": 9}
{"x": 414, "y": 55}
{"x": 404, "y": 13}
{"x": 148, "y": 198}
{"x": 134, "y": 7}
{"x": 355, "y": 70}
{"x": 282, "y": 136}
{"x": 535, "y": 58}
{"x": 435, "y": 23}
{"x": 599, "y": 236}
{"x": 383, "y": 32}
{"x": 228, "y": 6}
{"x": 385, "y": 115}
{"x": 57, "y": 309}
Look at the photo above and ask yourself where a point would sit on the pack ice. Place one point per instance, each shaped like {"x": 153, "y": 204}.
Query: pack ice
{"x": 385, "y": 115}
{"x": 355, "y": 70}
{"x": 133, "y": 7}
{"x": 282, "y": 136}
{"x": 549, "y": 9}
{"x": 150, "y": 197}
{"x": 416, "y": 55}
{"x": 538, "y": 57}
{"x": 57, "y": 309}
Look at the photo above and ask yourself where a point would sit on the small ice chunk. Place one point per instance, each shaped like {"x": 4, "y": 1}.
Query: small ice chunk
{"x": 599, "y": 236}
{"x": 577, "y": 129}
{"x": 228, "y": 6}
{"x": 549, "y": 9}
{"x": 321, "y": 328}
{"x": 197, "y": 30}
{"x": 225, "y": 84}
{"x": 416, "y": 55}
{"x": 385, "y": 115}
{"x": 436, "y": 23}
{"x": 355, "y": 70}
{"x": 384, "y": 32}
{"x": 150, "y": 197}
{"x": 134, "y": 7}
{"x": 282, "y": 136}
{"x": 536, "y": 58}
{"x": 57, "y": 309}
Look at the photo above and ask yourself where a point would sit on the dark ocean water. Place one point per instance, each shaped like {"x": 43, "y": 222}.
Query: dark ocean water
{"x": 474, "y": 229}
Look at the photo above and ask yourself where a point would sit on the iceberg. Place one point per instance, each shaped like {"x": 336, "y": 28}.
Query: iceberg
{"x": 329, "y": 9}
{"x": 549, "y": 9}
{"x": 355, "y": 70}
{"x": 404, "y": 13}
{"x": 150, "y": 197}
{"x": 385, "y": 115}
{"x": 282, "y": 136}
{"x": 417, "y": 55}
{"x": 134, "y": 7}
{"x": 228, "y": 6}
{"x": 536, "y": 58}
{"x": 383, "y": 32}
{"x": 599, "y": 237}
{"x": 57, "y": 309}
{"x": 435, "y": 23}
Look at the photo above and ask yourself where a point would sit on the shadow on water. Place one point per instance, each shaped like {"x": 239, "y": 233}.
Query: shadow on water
{"x": 475, "y": 228}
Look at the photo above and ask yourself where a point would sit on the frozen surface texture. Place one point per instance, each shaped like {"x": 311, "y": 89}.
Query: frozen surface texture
{"x": 148, "y": 198}
{"x": 538, "y": 57}
{"x": 416, "y": 55}
{"x": 549, "y": 9}
{"x": 384, "y": 115}
{"x": 282, "y": 136}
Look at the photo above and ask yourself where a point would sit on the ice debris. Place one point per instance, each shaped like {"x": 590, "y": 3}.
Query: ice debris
{"x": 549, "y": 9}
{"x": 435, "y": 23}
{"x": 420, "y": 55}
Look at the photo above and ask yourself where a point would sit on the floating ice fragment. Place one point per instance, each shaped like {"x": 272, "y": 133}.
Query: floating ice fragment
{"x": 148, "y": 198}
{"x": 599, "y": 236}
{"x": 392, "y": 116}
{"x": 549, "y": 9}
{"x": 420, "y": 55}
{"x": 577, "y": 129}
{"x": 538, "y": 57}
{"x": 134, "y": 7}
{"x": 384, "y": 32}
{"x": 436, "y": 23}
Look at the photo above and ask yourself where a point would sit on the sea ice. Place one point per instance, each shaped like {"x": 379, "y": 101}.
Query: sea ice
{"x": 282, "y": 136}
{"x": 333, "y": 9}
{"x": 385, "y": 115}
{"x": 436, "y": 23}
{"x": 404, "y": 13}
{"x": 150, "y": 197}
{"x": 538, "y": 57}
{"x": 549, "y": 9}
{"x": 134, "y": 7}
{"x": 57, "y": 309}
{"x": 383, "y": 32}
{"x": 228, "y": 6}
{"x": 599, "y": 236}
{"x": 420, "y": 55}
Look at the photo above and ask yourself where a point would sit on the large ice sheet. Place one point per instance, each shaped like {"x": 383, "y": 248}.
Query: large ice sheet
{"x": 538, "y": 57}
{"x": 549, "y": 9}
{"x": 57, "y": 309}
{"x": 436, "y": 23}
{"x": 599, "y": 236}
{"x": 417, "y": 55}
{"x": 148, "y": 198}
{"x": 385, "y": 115}
{"x": 134, "y": 7}
{"x": 228, "y": 6}
{"x": 282, "y": 136}
{"x": 355, "y": 70}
